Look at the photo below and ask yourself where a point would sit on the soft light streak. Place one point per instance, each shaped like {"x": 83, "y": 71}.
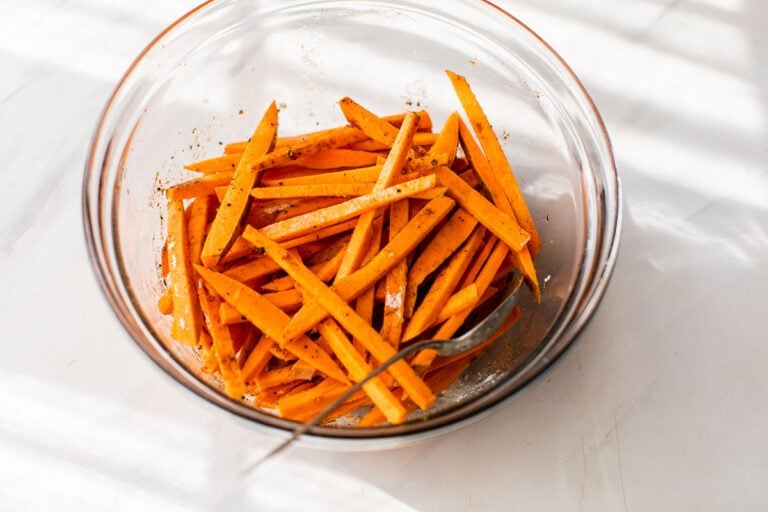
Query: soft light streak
{"x": 117, "y": 450}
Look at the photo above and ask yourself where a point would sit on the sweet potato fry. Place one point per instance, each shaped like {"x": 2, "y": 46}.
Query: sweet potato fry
{"x": 186, "y": 306}
{"x": 496, "y": 157}
{"x": 228, "y": 222}
{"x": 372, "y": 125}
{"x": 314, "y": 190}
{"x": 448, "y": 140}
{"x": 360, "y": 175}
{"x": 336, "y": 158}
{"x": 197, "y": 223}
{"x": 229, "y": 315}
{"x": 302, "y": 224}
{"x": 253, "y": 269}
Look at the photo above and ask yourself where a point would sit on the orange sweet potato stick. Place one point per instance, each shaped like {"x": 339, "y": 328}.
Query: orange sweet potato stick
{"x": 348, "y": 407}
{"x": 186, "y": 306}
{"x": 229, "y": 218}
{"x": 242, "y": 248}
{"x": 427, "y": 162}
{"x": 448, "y": 140}
{"x": 271, "y": 211}
{"x": 336, "y": 158}
{"x": 488, "y": 176}
{"x": 327, "y": 270}
{"x": 425, "y": 120}
{"x": 372, "y": 125}
{"x": 288, "y": 209}
{"x": 360, "y": 175}
{"x": 287, "y": 300}
{"x": 267, "y": 398}
{"x": 282, "y": 354}
{"x": 198, "y": 221}
{"x": 314, "y": 190}
{"x": 308, "y": 222}
{"x": 496, "y": 157}
{"x": 421, "y": 139}
{"x": 347, "y": 317}
{"x": 269, "y": 319}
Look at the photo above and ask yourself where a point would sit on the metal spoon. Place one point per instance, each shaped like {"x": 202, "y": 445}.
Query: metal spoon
{"x": 454, "y": 346}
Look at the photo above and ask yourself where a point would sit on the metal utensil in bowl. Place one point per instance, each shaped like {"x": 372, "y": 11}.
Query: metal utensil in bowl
{"x": 454, "y": 346}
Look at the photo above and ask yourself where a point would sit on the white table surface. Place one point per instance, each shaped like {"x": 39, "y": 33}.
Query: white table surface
{"x": 661, "y": 405}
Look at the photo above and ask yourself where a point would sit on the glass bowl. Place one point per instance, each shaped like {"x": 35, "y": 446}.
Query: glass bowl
{"x": 209, "y": 76}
